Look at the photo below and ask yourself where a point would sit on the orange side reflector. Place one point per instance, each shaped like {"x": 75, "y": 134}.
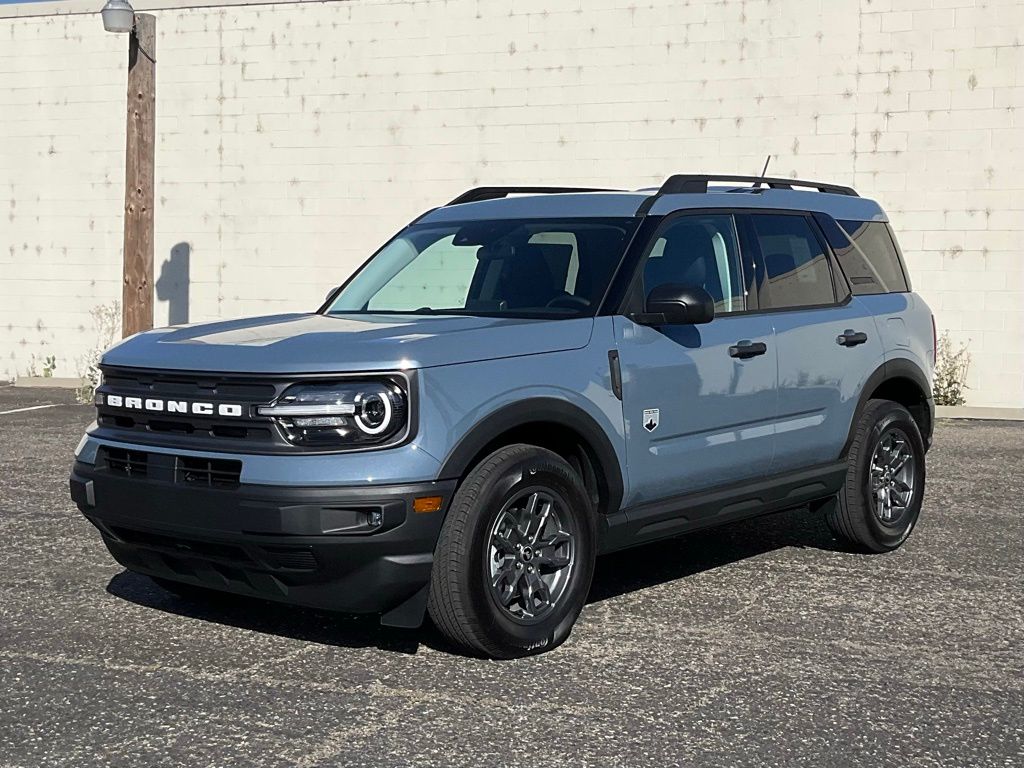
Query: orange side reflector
{"x": 426, "y": 504}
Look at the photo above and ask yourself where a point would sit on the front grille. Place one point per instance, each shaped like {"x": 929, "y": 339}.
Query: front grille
{"x": 213, "y": 473}
{"x": 144, "y": 423}
{"x": 247, "y": 431}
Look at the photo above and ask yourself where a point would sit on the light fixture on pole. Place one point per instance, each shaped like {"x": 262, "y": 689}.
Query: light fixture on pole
{"x": 137, "y": 288}
{"x": 118, "y": 16}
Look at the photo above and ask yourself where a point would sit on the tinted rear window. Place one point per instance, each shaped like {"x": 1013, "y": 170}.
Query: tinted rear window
{"x": 870, "y": 261}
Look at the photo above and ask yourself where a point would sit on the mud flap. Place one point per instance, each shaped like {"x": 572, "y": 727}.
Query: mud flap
{"x": 409, "y": 614}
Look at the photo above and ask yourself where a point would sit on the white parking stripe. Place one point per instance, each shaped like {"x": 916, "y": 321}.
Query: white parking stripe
{"x": 30, "y": 408}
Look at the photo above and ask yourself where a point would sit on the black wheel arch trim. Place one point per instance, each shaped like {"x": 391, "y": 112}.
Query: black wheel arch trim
{"x": 543, "y": 410}
{"x": 898, "y": 368}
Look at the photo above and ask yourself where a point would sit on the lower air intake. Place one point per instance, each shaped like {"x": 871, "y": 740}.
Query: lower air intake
{"x": 212, "y": 473}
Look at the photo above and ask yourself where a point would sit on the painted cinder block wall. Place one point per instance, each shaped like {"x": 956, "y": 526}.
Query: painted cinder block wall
{"x": 294, "y": 138}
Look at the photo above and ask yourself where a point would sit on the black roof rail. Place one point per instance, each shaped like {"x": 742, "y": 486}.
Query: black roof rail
{"x": 683, "y": 183}
{"x": 697, "y": 183}
{"x": 492, "y": 193}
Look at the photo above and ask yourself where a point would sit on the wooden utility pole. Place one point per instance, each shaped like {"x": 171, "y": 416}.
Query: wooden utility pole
{"x": 137, "y": 292}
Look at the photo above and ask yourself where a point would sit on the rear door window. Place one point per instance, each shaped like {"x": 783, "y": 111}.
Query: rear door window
{"x": 871, "y": 262}
{"x": 797, "y": 272}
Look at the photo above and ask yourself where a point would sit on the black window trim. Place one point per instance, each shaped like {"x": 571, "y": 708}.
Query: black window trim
{"x": 617, "y": 296}
{"x": 840, "y": 282}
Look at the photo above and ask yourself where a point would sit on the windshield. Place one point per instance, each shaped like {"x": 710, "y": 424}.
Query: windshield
{"x": 515, "y": 268}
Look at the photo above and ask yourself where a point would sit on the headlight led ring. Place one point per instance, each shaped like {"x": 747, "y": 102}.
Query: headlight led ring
{"x": 367, "y": 406}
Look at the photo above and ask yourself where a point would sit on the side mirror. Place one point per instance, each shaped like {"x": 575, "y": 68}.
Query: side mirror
{"x": 331, "y": 293}
{"x": 680, "y": 304}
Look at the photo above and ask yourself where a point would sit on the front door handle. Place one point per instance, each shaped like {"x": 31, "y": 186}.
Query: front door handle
{"x": 851, "y": 338}
{"x": 744, "y": 349}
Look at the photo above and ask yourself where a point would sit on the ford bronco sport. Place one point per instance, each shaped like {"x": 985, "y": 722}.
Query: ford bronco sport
{"x": 519, "y": 381}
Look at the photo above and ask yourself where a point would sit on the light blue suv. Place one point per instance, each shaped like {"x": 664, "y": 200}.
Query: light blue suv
{"x": 519, "y": 381}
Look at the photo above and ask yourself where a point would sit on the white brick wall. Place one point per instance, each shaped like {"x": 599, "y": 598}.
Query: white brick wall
{"x": 294, "y": 138}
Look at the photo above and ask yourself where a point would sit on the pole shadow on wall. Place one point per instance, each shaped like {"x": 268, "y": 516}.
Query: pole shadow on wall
{"x": 173, "y": 284}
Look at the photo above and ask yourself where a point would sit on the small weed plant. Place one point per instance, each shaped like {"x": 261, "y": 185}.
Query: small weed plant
{"x": 951, "y": 366}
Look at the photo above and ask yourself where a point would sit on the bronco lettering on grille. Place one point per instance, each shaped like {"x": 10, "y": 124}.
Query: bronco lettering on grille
{"x": 158, "y": 405}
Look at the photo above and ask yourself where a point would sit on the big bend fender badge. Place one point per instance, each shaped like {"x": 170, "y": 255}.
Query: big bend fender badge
{"x": 651, "y": 418}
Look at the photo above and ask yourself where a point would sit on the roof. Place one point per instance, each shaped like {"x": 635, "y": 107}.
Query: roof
{"x": 616, "y": 204}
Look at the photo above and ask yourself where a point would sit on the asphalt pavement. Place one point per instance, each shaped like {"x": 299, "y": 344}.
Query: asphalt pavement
{"x": 759, "y": 643}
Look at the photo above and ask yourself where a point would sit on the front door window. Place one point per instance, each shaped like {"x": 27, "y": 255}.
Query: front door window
{"x": 701, "y": 252}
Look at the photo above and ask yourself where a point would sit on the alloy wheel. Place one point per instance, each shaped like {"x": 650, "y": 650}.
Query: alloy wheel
{"x": 531, "y": 554}
{"x": 892, "y": 473}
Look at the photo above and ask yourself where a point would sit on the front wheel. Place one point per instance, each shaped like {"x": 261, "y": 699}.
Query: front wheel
{"x": 515, "y": 557}
{"x": 880, "y": 501}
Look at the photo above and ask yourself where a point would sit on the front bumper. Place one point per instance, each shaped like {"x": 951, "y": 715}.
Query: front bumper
{"x": 278, "y": 542}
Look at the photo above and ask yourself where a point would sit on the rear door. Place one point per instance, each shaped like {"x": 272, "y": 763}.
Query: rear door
{"x": 698, "y": 400}
{"x": 826, "y": 343}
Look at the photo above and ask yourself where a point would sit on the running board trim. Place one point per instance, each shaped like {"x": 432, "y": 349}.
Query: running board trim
{"x": 664, "y": 518}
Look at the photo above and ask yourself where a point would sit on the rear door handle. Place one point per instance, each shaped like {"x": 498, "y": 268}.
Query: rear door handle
{"x": 744, "y": 349}
{"x": 851, "y": 338}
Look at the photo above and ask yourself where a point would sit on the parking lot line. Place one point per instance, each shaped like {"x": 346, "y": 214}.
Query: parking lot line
{"x": 29, "y": 408}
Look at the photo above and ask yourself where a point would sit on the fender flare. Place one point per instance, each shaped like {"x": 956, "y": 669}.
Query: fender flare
{"x": 898, "y": 368}
{"x": 535, "y": 410}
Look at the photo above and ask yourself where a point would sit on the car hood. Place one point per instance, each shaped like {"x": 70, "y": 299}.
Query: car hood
{"x": 312, "y": 343}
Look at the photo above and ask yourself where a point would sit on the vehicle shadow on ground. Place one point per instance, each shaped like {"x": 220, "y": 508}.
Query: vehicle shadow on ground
{"x": 265, "y": 616}
{"x": 615, "y": 575}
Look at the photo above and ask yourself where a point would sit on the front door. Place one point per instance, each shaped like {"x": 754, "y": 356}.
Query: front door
{"x": 698, "y": 400}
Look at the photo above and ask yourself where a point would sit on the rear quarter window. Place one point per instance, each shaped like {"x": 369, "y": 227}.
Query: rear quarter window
{"x": 871, "y": 262}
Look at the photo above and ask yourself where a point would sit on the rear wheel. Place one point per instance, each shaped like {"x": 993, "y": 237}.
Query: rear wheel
{"x": 880, "y": 501}
{"x": 515, "y": 557}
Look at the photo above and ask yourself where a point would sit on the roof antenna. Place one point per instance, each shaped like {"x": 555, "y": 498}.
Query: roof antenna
{"x": 763, "y": 170}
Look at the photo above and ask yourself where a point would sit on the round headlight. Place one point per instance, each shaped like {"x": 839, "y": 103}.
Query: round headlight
{"x": 342, "y": 413}
{"x": 373, "y": 412}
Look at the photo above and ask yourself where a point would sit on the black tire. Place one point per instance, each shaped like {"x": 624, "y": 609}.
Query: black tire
{"x": 461, "y": 602}
{"x": 190, "y": 591}
{"x": 852, "y": 516}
